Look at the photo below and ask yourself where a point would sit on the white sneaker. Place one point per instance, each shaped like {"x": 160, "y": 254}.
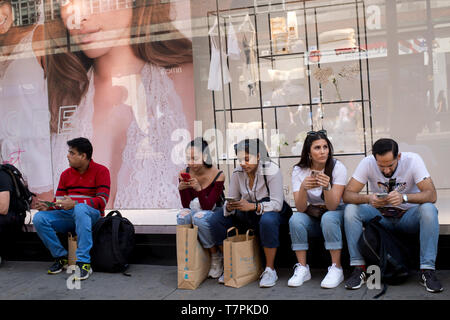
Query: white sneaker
{"x": 333, "y": 278}
{"x": 268, "y": 278}
{"x": 301, "y": 274}
{"x": 216, "y": 268}
{"x": 221, "y": 279}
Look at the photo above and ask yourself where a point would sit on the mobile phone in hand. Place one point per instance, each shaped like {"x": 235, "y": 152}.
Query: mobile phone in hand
{"x": 229, "y": 199}
{"x": 186, "y": 176}
{"x": 48, "y": 203}
{"x": 382, "y": 195}
{"x": 314, "y": 173}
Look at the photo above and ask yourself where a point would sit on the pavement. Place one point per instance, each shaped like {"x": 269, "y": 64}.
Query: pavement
{"x": 28, "y": 280}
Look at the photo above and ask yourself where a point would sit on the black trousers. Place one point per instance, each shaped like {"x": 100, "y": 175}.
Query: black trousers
{"x": 10, "y": 228}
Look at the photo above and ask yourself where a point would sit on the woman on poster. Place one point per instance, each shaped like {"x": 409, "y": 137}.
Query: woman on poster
{"x": 24, "y": 115}
{"x": 129, "y": 74}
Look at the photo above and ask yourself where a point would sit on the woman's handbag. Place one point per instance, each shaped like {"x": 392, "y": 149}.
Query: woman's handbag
{"x": 316, "y": 211}
{"x": 286, "y": 210}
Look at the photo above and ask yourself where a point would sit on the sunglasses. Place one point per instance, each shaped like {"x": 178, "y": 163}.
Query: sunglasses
{"x": 316, "y": 133}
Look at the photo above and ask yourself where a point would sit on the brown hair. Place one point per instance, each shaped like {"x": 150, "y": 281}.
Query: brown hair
{"x": 67, "y": 71}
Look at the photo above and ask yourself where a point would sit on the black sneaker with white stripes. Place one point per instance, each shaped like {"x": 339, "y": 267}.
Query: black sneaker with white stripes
{"x": 429, "y": 280}
{"x": 356, "y": 280}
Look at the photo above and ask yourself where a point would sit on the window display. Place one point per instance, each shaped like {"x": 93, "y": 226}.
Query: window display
{"x": 298, "y": 92}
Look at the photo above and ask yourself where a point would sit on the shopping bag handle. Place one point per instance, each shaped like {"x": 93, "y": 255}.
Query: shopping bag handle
{"x": 247, "y": 234}
{"x": 231, "y": 229}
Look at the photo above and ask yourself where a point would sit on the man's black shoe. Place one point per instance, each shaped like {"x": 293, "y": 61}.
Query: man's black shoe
{"x": 429, "y": 280}
{"x": 85, "y": 271}
{"x": 59, "y": 265}
{"x": 356, "y": 280}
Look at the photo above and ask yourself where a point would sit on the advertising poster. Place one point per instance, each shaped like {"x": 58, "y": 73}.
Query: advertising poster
{"x": 116, "y": 72}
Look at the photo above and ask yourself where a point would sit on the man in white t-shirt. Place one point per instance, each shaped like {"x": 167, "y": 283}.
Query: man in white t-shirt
{"x": 402, "y": 193}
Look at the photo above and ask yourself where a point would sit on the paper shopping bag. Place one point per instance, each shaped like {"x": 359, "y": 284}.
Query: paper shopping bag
{"x": 72, "y": 248}
{"x": 241, "y": 259}
{"x": 192, "y": 259}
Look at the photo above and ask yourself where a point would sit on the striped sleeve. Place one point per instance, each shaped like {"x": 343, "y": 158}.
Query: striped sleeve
{"x": 103, "y": 184}
{"x": 62, "y": 188}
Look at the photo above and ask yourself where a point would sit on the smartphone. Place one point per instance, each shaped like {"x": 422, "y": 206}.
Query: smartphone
{"x": 382, "y": 195}
{"x": 392, "y": 183}
{"x": 186, "y": 176}
{"x": 229, "y": 199}
{"x": 314, "y": 173}
{"x": 48, "y": 203}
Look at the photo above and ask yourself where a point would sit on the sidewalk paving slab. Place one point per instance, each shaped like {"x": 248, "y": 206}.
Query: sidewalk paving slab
{"x": 28, "y": 280}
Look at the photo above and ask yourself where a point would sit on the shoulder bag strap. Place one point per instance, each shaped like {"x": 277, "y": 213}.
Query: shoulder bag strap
{"x": 217, "y": 177}
{"x": 267, "y": 186}
{"x": 115, "y": 241}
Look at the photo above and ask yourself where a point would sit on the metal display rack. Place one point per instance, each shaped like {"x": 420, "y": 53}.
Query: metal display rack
{"x": 357, "y": 54}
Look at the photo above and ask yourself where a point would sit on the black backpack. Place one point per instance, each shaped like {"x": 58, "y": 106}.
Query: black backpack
{"x": 113, "y": 242}
{"x": 380, "y": 247}
{"x": 22, "y": 196}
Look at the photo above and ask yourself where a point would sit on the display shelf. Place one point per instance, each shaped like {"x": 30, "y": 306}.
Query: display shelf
{"x": 295, "y": 105}
{"x": 282, "y": 55}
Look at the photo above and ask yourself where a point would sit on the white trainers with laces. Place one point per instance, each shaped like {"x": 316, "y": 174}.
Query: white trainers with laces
{"x": 221, "y": 279}
{"x": 216, "y": 268}
{"x": 333, "y": 278}
{"x": 268, "y": 278}
{"x": 301, "y": 274}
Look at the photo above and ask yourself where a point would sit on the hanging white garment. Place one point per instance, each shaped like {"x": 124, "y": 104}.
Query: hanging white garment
{"x": 217, "y": 55}
{"x": 24, "y": 116}
{"x": 234, "y": 52}
{"x": 250, "y": 77}
{"x": 215, "y": 67}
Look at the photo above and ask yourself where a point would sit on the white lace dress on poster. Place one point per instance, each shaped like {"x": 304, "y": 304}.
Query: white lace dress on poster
{"x": 249, "y": 79}
{"x": 218, "y": 61}
{"x": 24, "y": 115}
{"x": 147, "y": 178}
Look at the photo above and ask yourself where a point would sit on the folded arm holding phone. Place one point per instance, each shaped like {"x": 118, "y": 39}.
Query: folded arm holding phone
{"x": 191, "y": 188}
{"x": 242, "y": 205}
{"x": 66, "y": 204}
{"x": 332, "y": 196}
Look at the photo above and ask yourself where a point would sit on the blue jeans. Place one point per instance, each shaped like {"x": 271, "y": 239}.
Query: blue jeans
{"x": 266, "y": 226}
{"x": 200, "y": 218}
{"x": 302, "y": 226}
{"x": 80, "y": 219}
{"x": 422, "y": 219}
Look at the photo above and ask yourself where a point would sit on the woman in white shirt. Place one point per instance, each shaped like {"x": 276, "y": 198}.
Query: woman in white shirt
{"x": 318, "y": 183}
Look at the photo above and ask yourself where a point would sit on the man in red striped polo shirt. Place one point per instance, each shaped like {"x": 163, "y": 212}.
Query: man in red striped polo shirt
{"x": 80, "y": 200}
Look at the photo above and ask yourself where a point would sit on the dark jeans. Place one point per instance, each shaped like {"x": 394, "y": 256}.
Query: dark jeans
{"x": 10, "y": 228}
{"x": 266, "y": 226}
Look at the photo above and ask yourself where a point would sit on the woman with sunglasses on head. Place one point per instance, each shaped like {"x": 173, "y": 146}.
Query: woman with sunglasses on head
{"x": 201, "y": 190}
{"x": 318, "y": 183}
{"x": 257, "y": 187}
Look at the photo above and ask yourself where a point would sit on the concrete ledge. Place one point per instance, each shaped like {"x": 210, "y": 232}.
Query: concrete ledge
{"x": 164, "y": 221}
{"x": 155, "y": 221}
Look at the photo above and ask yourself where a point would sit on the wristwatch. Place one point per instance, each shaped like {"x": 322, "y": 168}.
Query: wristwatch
{"x": 327, "y": 188}
{"x": 405, "y": 198}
